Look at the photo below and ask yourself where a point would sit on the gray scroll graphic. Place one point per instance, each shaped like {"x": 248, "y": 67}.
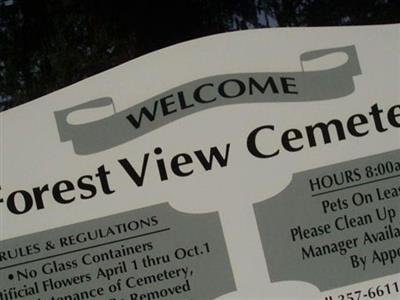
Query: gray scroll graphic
{"x": 336, "y": 225}
{"x": 206, "y": 93}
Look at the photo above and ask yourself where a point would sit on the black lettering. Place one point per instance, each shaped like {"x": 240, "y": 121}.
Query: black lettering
{"x": 165, "y": 105}
{"x": 197, "y": 94}
{"x": 287, "y": 139}
{"x": 286, "y": 85}
{"x": 102, "y": 174}
{"x": 38, "y": 194}
{"x": 352, "y": 125}
{"x": 182, "y": 101}
{"x": 161, "y": 165}
{"x": 85, "y": 186}
{"x": 27, "y": 199}
{"x": 176, "y": 164}
{"x": 143, "y": 112}
{"x": 393, "y": 117}
{"x": 324, "y": 128}
{"x": 61, "y": 187}
{"x": 130, "y": 170}
{"x": 252, "y": 142}
{"x": 268, "y": 83}
{"x": 223, "y": 90}
{"x": 214, "y": 153}
{"x": 376, "y": 114}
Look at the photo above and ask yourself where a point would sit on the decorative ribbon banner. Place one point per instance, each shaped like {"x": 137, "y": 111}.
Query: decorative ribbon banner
{"x": 207, "y": 93}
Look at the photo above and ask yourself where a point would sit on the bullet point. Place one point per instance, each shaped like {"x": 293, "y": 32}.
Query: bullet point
{"x": 11, "y": 276}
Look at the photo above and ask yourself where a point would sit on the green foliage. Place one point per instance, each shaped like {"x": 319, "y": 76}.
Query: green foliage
{"x": 48, "y": 44}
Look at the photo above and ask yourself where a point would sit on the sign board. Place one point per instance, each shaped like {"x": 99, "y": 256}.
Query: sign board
{"x": 261, "y": 164}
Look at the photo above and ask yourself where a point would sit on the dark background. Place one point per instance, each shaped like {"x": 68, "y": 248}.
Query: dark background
{"x": 48, "y": 44}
